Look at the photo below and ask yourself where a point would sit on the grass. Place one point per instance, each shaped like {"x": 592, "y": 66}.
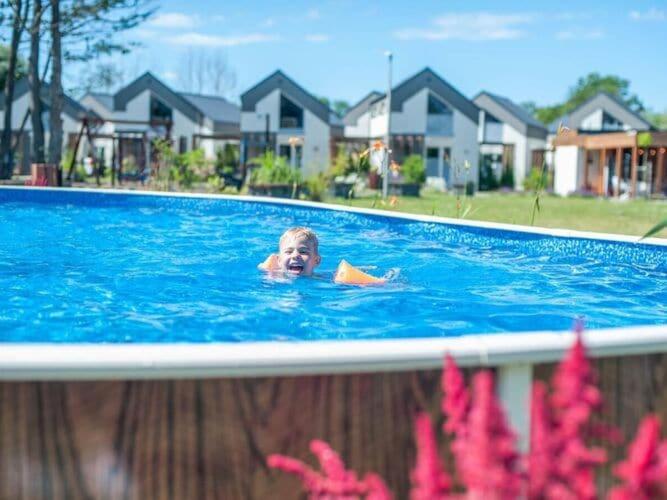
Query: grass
{"x": 633, "y": 217}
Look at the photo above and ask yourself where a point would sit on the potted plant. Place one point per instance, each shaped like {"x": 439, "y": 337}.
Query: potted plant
{"x": 411, "y": 175}
{"x": 272, "y": 176}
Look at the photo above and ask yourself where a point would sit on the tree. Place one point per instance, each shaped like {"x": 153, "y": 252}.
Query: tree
{"x": 585, "y": 88}
{"x": 657, "y": 119}
{"x": 103, "y": 77}
{"x": 339, "y": 107}
{"x": 19, "y": 71}
{"x": 86, "y": 29}
{"x": 35, "y": 83}
{"x": 203, "y": 71}
{"x": 19, "y": 13}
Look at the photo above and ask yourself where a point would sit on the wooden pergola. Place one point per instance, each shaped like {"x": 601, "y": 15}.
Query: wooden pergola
{"x": 613, "y": 147}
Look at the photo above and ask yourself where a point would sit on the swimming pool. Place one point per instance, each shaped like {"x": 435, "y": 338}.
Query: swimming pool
{"x": 82, "y": 267}
{"x": 142, "y": 355}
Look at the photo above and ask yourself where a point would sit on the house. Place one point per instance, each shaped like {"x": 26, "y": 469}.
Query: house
{"x": 509, "y": 137}
{"x": 147, "y": 109}
{"x": 430, "y": 118}
{"x": 279, "y": 115}
{"x": 73, "y": 116}
{"x": 607, "y": 149}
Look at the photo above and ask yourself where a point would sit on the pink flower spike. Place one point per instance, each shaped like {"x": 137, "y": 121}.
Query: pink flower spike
{"x": 429, "y": 479}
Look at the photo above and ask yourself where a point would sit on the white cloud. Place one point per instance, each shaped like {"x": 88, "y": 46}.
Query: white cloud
{"x": 580, "y": 35}
{"x": 201, "y": 40}
{"x": 170, "y": 76}
{"x": 470, "y": 26}
{"x": 173, "y": 20}
{"x": 144, "y": 34}
{"x": 317, "y": 38}
{"x": 650, "y": 15}
{"x": 313, "y": 14}
{"x": 267, "y": 23}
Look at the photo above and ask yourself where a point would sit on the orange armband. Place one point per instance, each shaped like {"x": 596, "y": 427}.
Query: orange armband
{"x": 271, "y": 264}
{"x": 347, "y": 274}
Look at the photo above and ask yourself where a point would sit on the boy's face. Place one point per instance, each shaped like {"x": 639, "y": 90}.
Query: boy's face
{"x": 298, "y": 256}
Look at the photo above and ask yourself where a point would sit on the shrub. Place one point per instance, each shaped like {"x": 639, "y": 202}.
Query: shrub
{"x": 507, "y": 178}
{"x": 273, "y": 170}
{"x": 316, "y": 187}
{"x": 537, "y": 179}
{"x": 487, "y": 178}
{"x": 413, "y": 169}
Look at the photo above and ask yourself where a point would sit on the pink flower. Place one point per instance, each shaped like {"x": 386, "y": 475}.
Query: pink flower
{"x": 429, "y": 478}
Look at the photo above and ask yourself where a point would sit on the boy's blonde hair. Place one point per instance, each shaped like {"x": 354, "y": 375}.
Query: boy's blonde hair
{"x": 304, "y": 232}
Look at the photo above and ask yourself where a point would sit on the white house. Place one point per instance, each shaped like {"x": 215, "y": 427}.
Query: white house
{"x": 429, "y": 117}
{"x": 147, "y": 108}
{"x": 509, "y": 137}
{"x": 607, "y": 150}
{"x": 279, "y": 115}
{"x": 73, "y": 115}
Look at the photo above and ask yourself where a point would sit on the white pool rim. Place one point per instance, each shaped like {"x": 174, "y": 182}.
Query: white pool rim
{"x": 247, "y": 359}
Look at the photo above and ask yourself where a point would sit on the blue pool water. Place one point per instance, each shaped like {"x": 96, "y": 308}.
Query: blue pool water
{"x": 82, "y": 267}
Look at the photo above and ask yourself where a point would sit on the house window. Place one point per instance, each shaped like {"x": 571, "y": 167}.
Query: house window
{"x": 182, "y": 144}
{"x": 285, "y": 150}
{"x": 437, "y": 107}
{"x": 610, "y": 123}
{"x": 160, "y": 112}
{"x": 291, "y": 115}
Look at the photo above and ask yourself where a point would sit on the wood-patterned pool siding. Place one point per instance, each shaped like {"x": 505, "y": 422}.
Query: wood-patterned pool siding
{"x": 208, "y": 439}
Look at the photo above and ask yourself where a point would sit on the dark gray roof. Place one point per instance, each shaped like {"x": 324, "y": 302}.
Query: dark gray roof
{"x": 427, "y": 78}
{"x": 611, "y": 104}
{"x": 511, "y": 113}
{"x": 279, "y": 80}
{"x": 360, "y": 108}
{"x": 70, "y": 106}
{"x": 105, "y": 100}
{"x": 216, "y": 108}
{"x": 148, "y": 81}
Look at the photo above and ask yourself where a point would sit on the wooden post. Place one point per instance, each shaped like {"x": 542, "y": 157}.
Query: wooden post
{"x": 633, "y": 173}
{"x": 91, "y": 146}
{"x": 619, "y": 172}
{"x": 585, "y": 183}
{"x": 602, "y": 189}
{"x": 76, "y": 150}
{"x": 120, "y": 160}
{"x": 113, "y": 161}
{"x": 660, "y": 170}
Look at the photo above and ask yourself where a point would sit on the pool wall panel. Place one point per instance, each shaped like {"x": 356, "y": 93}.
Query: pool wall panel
{"x": 208, "y": 439}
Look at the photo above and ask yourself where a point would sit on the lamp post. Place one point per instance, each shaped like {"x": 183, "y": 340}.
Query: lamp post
{"x": 385, "y": 164}
{"x": 293, "y": 142}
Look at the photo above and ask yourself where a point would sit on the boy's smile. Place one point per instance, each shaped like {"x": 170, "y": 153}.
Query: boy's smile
{"x": 298, "y": 256}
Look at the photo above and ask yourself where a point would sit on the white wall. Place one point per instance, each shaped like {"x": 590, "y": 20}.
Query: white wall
{"x": 567, "y": 166}
{"x": 466, "y": 147}
{"x": 254, "y": 121}
{"x": 592, "y": 121}
{"x": 412, "y": 118}
{"x": 362, "y": 129}
{"x": 316, "y": 137}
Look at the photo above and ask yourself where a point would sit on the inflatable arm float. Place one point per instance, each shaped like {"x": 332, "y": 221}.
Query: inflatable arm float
{"x": 346, "y": 274}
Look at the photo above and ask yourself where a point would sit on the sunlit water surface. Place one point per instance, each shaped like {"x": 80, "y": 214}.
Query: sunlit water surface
{"x": 77, "y": 267}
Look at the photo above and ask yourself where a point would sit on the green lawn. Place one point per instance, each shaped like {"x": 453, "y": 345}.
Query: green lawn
{"x": 587, "y": 214}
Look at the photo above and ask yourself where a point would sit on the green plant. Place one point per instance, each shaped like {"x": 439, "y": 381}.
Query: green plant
{"x": 316, "y": 187}
{"x": 537, "y": 179}
{"x": 413, "y": 169}
{"x": 507, "y": 177}
{"x": 273, "y": 170}
{"x": 487, "y": 177}
{"x": 342, "y": 164}
{"x": 226, "y": 160}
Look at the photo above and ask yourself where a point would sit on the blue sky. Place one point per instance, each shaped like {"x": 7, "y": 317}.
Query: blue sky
{"x": 525, "y": 51}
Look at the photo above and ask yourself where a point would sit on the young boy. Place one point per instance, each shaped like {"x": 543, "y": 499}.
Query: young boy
{"x": 298, "y": 253}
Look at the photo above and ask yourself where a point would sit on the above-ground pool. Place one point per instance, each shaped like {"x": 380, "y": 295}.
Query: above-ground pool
{"x": 143, "y": 355}
{"x": 101, "y": 267}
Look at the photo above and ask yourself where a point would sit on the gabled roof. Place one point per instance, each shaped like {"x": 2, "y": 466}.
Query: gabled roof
{"x": 511, "y": 113}
{"x": 148, "y": 81}
{"x": 609, "y": 103}
{"x": 427, "y": 78}
{"x": 216, "y": 108}
{"x": 360, "y": 108}
{"x": 70, "y": 106}
{"x": 279, "y": 80}
{"x": 106, "y": 100}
